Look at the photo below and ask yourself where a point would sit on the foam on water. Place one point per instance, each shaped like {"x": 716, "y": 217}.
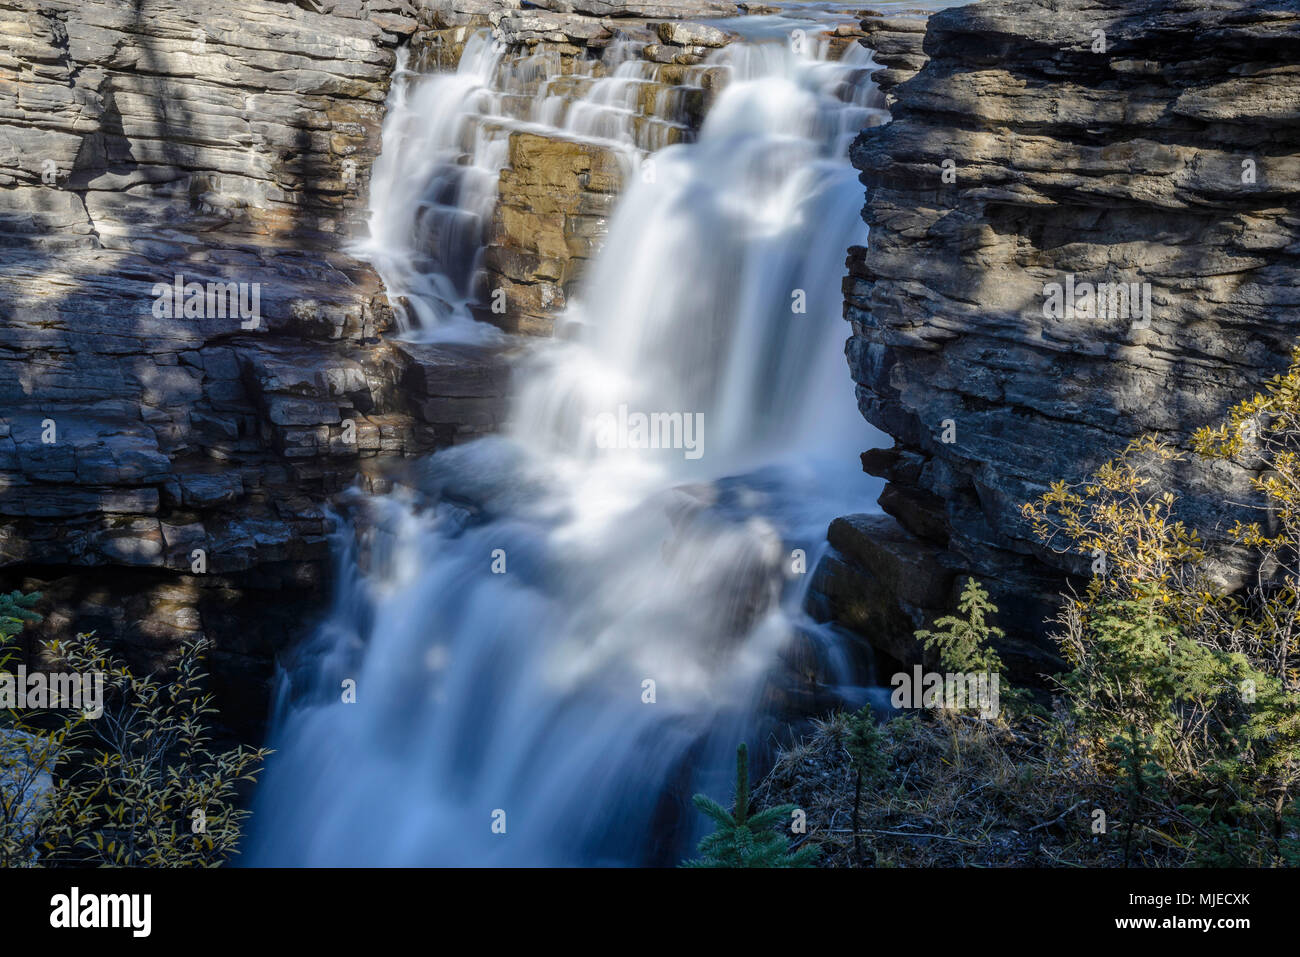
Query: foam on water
{"x": 716, "y": 294}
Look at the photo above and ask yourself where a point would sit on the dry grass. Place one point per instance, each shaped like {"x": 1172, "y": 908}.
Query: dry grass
{"x": 959, "y": 791}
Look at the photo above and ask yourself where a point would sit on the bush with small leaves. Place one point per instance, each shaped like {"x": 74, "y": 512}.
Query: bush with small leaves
{"x": 29, "y": 753}
{"x": 1159, "y": 652}
{"x": 152, "y": 793}
{"x": 137, "y": 786}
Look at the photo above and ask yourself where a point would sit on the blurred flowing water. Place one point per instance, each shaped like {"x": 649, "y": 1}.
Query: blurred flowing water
{"x": 502, "y": 616}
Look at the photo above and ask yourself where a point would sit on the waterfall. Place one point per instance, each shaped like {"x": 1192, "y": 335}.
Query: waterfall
{"x": 553, "y": 628}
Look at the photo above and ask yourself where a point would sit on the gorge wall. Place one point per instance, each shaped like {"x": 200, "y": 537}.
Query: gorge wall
{"x": 141, "y": 140}
{"x": 165, "y": 475}
{"x": 168, "y": 474}
{"x": 1031, "y": 140}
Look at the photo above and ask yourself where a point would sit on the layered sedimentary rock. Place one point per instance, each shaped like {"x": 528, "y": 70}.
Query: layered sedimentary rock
{"x": 615, "y": 87}
{"x": 190, "y": 365}
{"x": 1043, "y": 146}
{"x": 896, "y": 40}
{"x": 554, "y": 201}
{"x": 560, "y": 184}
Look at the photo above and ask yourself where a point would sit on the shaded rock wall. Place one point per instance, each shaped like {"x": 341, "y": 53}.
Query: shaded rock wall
{"x": 162, "y": 474}
{"x": 167, "y": 474}
{"x": 1168, "y": 156}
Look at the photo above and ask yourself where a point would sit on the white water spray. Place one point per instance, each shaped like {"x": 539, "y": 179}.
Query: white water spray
{"x": 554, "y": 636}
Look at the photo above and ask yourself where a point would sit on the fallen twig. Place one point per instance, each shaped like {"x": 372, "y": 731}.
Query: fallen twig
{"x": 1058, "y": 817}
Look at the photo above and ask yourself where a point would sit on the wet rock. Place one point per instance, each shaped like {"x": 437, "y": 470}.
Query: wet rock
{"x": 553, "y": 198}
{"x": 458, "y": 389}
{"x": 641, "y": 8}
{"x": 692, "y": 34}
{"x": 530, "y": 28}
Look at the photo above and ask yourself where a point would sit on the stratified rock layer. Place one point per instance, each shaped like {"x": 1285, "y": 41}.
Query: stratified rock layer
{"x": 1136, "y": 142}
{"x": 187, "y": 458}
{"x": 166, "y": 472}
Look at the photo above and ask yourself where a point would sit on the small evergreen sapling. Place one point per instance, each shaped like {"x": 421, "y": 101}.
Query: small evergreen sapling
{"x": 1139, "y": 775}
{"x": 742, "y": 840}
{"x": 962, "y": 643}
{"x": 16, "y": 611}
{"x": 865, "y": 745}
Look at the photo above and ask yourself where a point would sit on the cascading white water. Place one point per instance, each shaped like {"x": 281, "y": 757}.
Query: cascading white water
{"x": 446, "y": 140}
{"x": 502, "y": 622}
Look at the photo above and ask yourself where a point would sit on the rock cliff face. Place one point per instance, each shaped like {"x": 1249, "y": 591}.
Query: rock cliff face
{"x": 190, "y": 365}
{"x": 554, "y": 200}
{"x": 1038, "y": 143}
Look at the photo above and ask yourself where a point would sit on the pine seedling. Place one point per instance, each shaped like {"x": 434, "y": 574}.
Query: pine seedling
{"x": 745, "y": 840}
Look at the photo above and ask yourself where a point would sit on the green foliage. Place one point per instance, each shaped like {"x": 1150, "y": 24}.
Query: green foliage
{"x": 1140, "y": 775}
{"x": 1132, "y": 667}
{"x": 1289, "y": 842}
{"x": 865, "y": 744}
{"x": 963, "y": 642}
{"x": 742, "y": 840}
{"x": 16, "y": 611}
{"x": 1208, "y": 680}
{"x": 1230, "y": 837}
{"x": 154, "y": 793}
{"x": 137, "y": 786}
{"x": 26, "y": 756}
{"x": 867, "y": 747}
